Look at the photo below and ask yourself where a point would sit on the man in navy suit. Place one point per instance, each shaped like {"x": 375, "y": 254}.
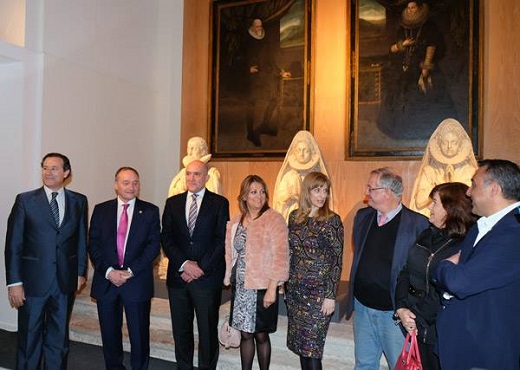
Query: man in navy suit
{"x": 46, "y": 262}
{"x": 193, "y": 235}
{"x": 123, "y": 243}
{"x": 478, "y": 325}
{"x": 382, "y": 234}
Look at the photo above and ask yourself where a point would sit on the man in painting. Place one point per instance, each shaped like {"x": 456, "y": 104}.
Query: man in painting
{"x": 263, "y": 77}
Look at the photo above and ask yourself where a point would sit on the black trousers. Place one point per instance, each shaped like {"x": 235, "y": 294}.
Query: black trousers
{"x": 185, "y": 304}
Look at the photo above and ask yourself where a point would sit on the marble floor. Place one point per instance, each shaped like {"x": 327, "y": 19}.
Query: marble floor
{"x": 339, "y": 347}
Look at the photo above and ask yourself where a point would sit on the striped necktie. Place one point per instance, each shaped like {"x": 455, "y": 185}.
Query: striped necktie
{"x": 192, "y": 215}
{"x": 54, "y": 209}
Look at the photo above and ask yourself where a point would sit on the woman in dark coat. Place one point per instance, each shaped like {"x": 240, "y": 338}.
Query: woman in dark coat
{"x": 417, "y": 301}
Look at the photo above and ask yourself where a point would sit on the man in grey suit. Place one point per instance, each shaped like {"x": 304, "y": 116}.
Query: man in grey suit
{"x": 46, "y": 262}
{"x": 382, "y": 234}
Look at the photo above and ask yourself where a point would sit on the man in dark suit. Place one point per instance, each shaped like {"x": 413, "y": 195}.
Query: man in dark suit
{"x": 123, "y": 243}
{"x": 193, "y": 235}
{"x": 478, "y": 325}
{"x": 382, "y": 234}
{"x": 46, "y": 262}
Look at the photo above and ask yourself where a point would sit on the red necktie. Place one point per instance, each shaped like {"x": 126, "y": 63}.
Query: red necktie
{"x": 121, "y": 235}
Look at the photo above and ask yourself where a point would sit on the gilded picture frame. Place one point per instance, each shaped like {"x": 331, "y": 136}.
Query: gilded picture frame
{"x": 260, "y": 85}
{"x": 409, "y": 71}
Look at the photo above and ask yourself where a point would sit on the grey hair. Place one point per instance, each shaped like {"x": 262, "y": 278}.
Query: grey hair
{"x": 390, "y": 180}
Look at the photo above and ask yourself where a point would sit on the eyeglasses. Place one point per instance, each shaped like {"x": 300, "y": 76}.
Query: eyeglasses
{"x": 371, "y": 189}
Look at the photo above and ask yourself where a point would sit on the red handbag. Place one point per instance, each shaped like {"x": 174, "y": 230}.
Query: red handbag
{"x": 410, "y": 359}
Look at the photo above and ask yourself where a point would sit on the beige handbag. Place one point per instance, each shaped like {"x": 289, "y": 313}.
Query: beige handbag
{"x": 228, "y": 336}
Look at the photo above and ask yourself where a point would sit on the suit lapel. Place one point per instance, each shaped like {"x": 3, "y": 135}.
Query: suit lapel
{"x": 42, "y": 203}
{"x": 135, "y": 223}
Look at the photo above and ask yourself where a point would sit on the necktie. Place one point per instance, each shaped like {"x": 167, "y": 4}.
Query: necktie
{"x": 54, "y": 209}
{"x": 382, "y": 219}
{"x": 121, "y": 235}
{"x": 192, "y": 215}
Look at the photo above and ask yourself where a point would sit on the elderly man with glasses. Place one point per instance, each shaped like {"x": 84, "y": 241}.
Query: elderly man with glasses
{"x": 382, "y": 235}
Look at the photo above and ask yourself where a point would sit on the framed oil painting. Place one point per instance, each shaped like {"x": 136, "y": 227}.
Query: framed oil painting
{"x": 414, "y": 64}
{"x": 260, "y": 85}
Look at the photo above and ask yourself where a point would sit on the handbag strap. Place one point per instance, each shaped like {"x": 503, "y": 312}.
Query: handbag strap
{"x": 414, "y": 347}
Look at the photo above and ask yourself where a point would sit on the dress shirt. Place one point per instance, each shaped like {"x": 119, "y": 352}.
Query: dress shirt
{"x": 485, "y": 224}
{"x": 130, "y": 213}
{"x": 60, "y": 198}
{"x": 390, "y": 215}
{"x": 189, "y": 200}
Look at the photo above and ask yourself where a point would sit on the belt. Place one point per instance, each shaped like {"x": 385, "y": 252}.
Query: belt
{"x": 420, "y": 294}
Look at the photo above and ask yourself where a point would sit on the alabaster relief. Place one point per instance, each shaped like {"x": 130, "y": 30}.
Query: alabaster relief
{"x": 448, "y": 158}
{"x": 303, "y": 156}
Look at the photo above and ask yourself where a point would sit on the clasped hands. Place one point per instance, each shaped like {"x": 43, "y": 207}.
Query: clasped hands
{"x": 119, "y": 277}
{"x": 191, "y": 271}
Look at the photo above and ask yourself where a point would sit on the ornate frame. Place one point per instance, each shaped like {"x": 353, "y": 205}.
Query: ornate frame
{"x": 288, "y": 25}
{"x": 385, "y": 121}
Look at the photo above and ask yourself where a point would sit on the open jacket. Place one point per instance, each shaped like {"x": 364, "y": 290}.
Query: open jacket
{"x": 267, "y": 250}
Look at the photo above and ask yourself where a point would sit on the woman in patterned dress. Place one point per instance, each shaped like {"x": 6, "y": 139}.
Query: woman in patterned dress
{"x": 257, "y": 262}
{"x": 316, "y": 246}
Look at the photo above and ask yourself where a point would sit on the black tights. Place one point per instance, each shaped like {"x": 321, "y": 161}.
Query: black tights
{"x": 247, "y": 350}
{"x": 309, "y": 363}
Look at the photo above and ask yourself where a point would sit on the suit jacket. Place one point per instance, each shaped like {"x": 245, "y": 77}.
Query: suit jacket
{"x": 37, "y": 251}
{"x": 142, "y": 247}
{"x": 410, "y": 226}
{"x": 479, "y": 327}
{"x": 205, "y": 246}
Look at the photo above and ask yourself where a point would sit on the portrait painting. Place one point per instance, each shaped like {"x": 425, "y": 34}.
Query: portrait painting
{"x": 259, "y": 85}
{"x": 414, "y": 64}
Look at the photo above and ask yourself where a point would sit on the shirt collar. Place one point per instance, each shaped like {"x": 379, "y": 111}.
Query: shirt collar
{"x": 490, "y": 221}
{"x": 200, "y": 194}
{"x": 131, "y": 203}
{"x": 390, "y": 215}
{"x": 49, "y": 191}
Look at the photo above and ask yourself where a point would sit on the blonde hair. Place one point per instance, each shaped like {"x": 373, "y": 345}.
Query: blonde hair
{"x": 312, "y": 181}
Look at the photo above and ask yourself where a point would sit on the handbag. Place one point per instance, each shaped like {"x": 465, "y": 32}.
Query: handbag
{"x": 410, "y": 358}
{"x": 228, "y": 336}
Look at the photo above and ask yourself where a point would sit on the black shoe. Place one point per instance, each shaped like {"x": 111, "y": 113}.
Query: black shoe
{"x": 254, "y": 137}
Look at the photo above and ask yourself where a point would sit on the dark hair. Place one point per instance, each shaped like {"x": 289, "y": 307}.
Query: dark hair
{"x": 457, "y": 206}
{"x": 66, "y": 162}
{"x": 244, "y": 190}
{"x": 126, "y": 168}
{"x": 312, "y": 181}
{"x": 506, "y": 174}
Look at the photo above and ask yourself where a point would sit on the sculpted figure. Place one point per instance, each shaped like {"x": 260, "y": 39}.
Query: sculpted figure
{"x": 448, "y": 158}
{"x": 303, "y": 157}
{"x": 197, "y": 150}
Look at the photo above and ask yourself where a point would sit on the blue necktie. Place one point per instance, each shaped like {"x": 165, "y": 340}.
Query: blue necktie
{"x": 54, "y": 209}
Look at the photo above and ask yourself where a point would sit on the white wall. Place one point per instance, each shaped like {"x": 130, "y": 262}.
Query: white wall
{"x": 107, "y": 94}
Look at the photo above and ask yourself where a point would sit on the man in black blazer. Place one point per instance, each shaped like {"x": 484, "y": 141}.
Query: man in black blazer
{"x": 196, "y": 266}
{"x": 46, "y": 262}
{"x": 123, "y": 243}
